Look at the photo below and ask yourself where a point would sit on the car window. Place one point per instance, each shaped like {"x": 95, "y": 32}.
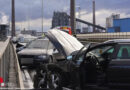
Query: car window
{"x": 40, "y": 44}
{"x": 110, "y": 50}
{"x": 101, "y": 50}
{"x": 124, "y": 52}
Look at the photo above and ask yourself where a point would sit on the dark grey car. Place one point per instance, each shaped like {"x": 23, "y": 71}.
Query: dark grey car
{"x": 102, "y": 66}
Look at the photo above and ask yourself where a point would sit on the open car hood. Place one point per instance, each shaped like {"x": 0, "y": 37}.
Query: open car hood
{"x": 63, "y": 42}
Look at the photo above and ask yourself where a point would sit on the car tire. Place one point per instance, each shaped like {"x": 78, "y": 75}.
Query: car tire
{"x": 36, "y": 81}
{"x": 55, "y": 80}
{"x": 40, "y": 82}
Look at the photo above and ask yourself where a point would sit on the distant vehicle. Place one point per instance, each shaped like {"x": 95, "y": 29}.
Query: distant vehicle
{"x": 36, "y": 52}
{"x": 104, "y": 65}
{"x": 23, "y": 39}
{"x": 66, "y": 29}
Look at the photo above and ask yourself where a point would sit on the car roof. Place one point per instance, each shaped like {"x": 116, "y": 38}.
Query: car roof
{"x": 118, "y": 41}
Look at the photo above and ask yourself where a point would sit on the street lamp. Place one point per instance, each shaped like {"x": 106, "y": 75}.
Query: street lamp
{"x": 42, "y": 16}
{"x": 13, "y": 18}
{"x": 72, "y": 17}
{"x": 94, "y": 19}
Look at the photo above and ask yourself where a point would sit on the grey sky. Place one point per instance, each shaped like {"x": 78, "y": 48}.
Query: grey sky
{"x": 31, "y": 9}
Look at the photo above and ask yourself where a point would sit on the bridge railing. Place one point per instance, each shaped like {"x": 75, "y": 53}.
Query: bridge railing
{"x": 4, "y": 60}
{"x": 9, "y": 67}
{"x": 103, "y": 36}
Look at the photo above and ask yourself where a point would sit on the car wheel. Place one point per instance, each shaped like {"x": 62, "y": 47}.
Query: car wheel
{"x": 40, "y": 81}
{"x": 55, "y": 80}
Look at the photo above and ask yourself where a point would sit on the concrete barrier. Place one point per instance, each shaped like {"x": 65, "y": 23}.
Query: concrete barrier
{"x": 9, "y": 66}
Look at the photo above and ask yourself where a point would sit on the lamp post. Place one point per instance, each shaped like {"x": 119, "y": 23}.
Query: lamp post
{"x": 42, "y": 16}
{"x": 72, "y": 17}
{"x": 94, "y": 19}
{"x": 13, "y": 19}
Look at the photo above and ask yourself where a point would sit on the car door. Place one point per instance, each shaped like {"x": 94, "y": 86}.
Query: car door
{"x": 119, "y": 67}
{"x": 89, "y": 68}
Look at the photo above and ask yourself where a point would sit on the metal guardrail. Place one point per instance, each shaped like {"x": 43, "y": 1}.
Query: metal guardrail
{"x": 99, "y": 37}
{"x": 9, "y": 67}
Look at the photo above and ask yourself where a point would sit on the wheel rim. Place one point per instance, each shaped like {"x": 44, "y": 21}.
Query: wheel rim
{"x": 55, "y": 80}
{"x": 42, "y": 83}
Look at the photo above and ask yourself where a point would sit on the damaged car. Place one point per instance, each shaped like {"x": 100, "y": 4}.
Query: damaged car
{"x": 67, "y": 45}
{"x": 102, "y": 66}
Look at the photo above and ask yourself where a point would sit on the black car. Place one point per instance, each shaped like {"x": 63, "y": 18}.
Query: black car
{"x": 103, "y": 66}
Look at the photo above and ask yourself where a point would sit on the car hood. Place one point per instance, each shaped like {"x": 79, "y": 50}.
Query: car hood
{"x": 63, "y": 42}
{"x": 35, "y": 52}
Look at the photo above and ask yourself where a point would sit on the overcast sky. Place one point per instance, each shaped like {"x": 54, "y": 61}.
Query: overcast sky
{"x": 29, "y": 11}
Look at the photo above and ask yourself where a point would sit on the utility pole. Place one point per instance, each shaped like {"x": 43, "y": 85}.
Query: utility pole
{"x": 72, "y": 17}
{"x": 79, "y": 16}
{"x": 94, "y": 19}
{"x": 13, "y": 18}
{"x": 42, "y": 16}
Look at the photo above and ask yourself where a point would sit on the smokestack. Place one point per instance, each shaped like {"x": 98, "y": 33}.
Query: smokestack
{"x": 72, "y": 17}
{"x": 13, "y": 18}
{"x": 94, "y": 19}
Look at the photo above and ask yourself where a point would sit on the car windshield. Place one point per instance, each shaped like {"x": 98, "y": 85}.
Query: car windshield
{"x": 40, "y": 44}
{"x": 25, "y": 39}
{"x": 99, "y": 51}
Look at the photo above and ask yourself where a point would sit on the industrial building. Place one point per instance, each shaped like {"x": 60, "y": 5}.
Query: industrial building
{"x": 60, "y": 19}
{"x": 4, "y": 28}
{"x": 109, "y": 20}
{"x": 30, "y": 32}
{"x": 120, "y": 25}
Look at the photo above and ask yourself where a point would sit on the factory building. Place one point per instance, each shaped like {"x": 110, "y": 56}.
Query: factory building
{"x": 4, "y": 28}
{"x": 120, "y": 25}
{"x": 109, "y": 20}
{"x": 60, "y": 19}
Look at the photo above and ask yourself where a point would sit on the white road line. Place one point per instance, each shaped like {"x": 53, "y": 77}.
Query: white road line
{"x": 28, "y": 79}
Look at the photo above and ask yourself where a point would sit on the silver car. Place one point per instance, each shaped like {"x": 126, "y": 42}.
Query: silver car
{"x": 36, "y": 52}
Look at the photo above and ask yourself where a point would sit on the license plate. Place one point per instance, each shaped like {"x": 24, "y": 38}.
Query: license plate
{"x": 26, "y": 60}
